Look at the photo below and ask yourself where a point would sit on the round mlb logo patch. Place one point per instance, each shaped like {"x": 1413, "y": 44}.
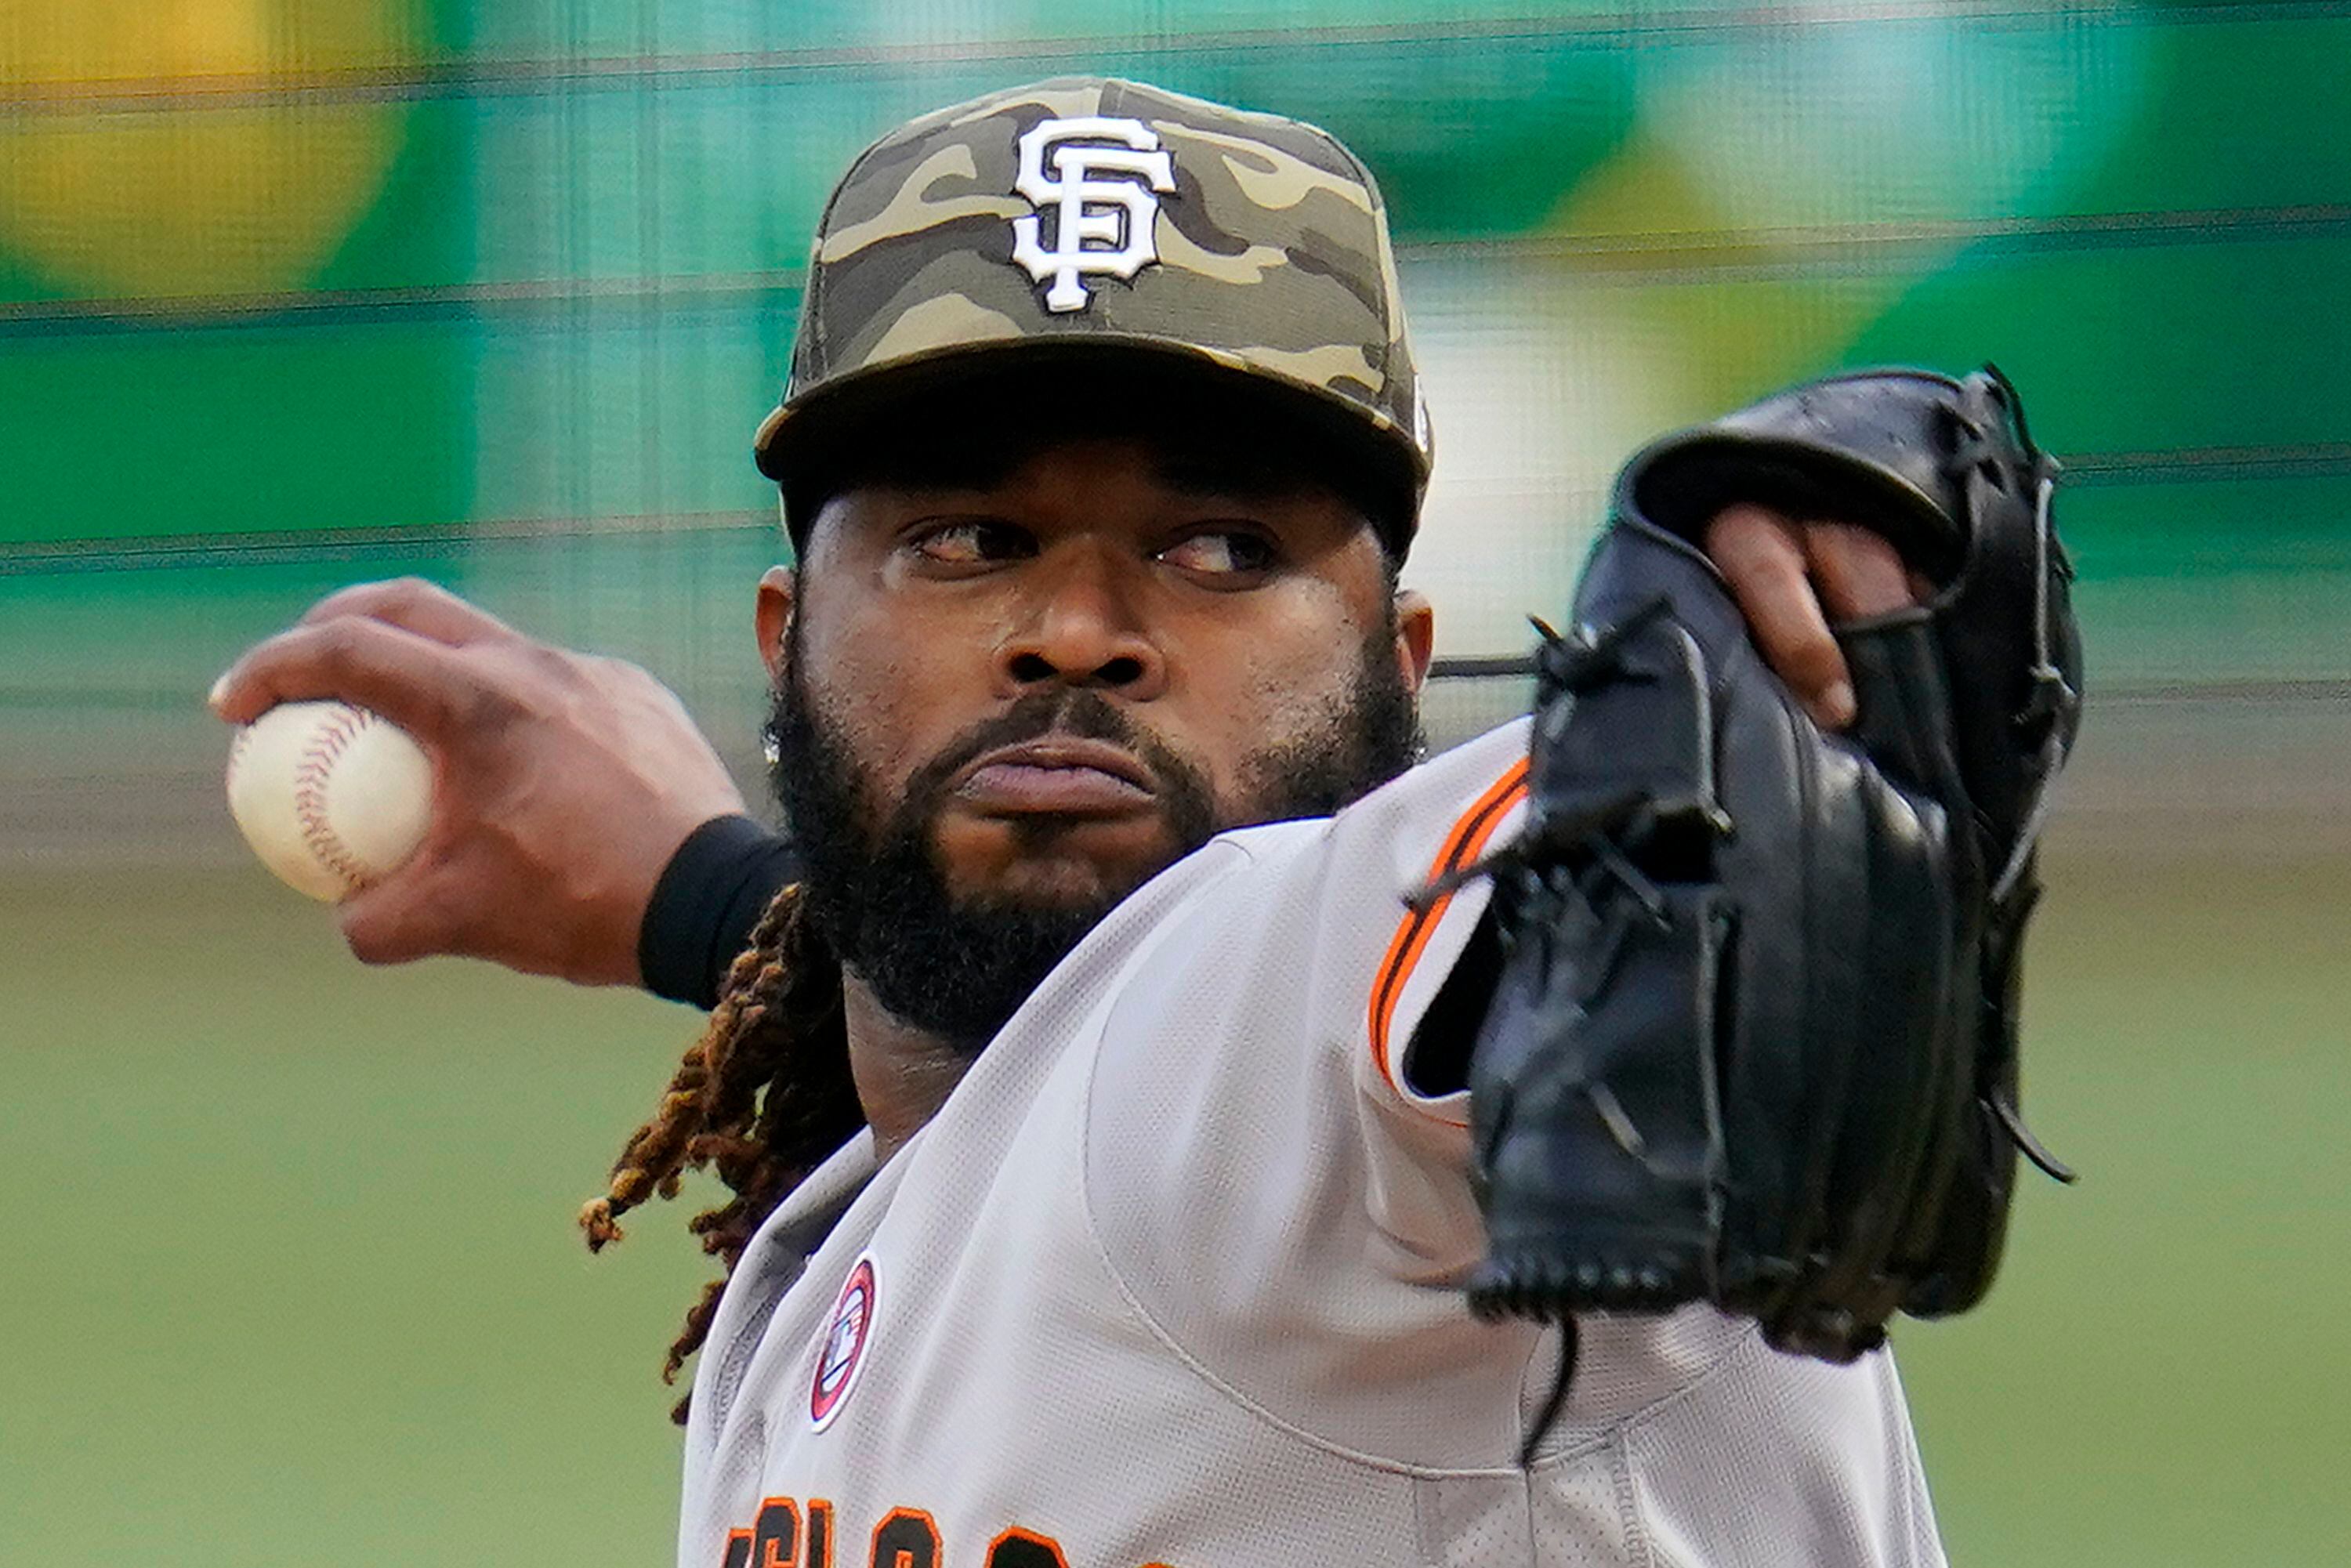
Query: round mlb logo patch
{"x": 843, "y": 1351}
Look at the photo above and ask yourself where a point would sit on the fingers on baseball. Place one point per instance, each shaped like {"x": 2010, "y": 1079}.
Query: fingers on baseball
{"x": 377, "y": 929}
{"x": 407, "y": 915}
{"x": 1762, "y": 555}
{"x": 419, "y": 683}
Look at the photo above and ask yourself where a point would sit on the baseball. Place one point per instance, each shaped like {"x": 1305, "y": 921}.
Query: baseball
{"x": 330, "y": 796}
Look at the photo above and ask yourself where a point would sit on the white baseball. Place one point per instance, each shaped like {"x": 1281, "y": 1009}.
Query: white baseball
{"x": 330, "y": 796}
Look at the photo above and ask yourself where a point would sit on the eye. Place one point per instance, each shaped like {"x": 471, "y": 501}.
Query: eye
{"x": 1222, "y": 552}
{"x": 972, "y": 541}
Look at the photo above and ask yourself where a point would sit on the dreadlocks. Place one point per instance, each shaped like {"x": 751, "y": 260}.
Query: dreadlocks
{"x": 778, "y": 1028}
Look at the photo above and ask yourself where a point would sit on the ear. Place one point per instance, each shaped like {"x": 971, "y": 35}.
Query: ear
{"x": 774, "y": 618}
{"x": 1416, "y": 635}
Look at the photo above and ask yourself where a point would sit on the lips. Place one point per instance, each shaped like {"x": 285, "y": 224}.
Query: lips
{"x": 1058, "y": 776}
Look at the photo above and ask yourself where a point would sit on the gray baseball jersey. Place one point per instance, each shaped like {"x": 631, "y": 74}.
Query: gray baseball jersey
{"x": 1172, "y": 1280}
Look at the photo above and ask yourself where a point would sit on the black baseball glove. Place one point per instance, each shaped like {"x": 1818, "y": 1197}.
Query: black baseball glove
{"x": 1754, "y": 1039}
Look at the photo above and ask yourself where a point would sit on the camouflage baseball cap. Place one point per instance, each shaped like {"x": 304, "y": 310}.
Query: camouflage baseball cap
{"x": 1095, "y": 219}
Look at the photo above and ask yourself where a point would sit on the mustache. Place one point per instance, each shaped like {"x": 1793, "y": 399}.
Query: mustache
{"x": 1070, "y": 711}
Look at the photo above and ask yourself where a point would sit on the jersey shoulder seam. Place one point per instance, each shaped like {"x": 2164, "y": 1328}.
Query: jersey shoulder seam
{"x": 1199, "y": 1368}
{"x": 1744, "y": 1345}
{"x": 1630, "y": 1516}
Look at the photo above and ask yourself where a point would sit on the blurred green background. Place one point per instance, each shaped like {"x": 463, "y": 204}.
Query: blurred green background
{"x": 294, "y": 292}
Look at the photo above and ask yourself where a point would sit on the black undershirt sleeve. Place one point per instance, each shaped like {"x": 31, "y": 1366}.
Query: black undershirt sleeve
{"x": 1438, "y": 1060}
{"x": 709, "y": 896}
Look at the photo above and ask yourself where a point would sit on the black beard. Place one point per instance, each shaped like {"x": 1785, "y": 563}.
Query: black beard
{"x": 958, "y": 968}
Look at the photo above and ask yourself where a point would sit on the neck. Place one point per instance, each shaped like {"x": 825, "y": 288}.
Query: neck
{"x": 903, "y": 1074}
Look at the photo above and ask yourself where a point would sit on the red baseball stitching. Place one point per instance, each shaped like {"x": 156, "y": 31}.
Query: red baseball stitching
{"x": 327, "y": 742}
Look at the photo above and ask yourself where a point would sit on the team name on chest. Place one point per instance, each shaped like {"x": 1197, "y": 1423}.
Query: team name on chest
{"x": 787, "y": 1536}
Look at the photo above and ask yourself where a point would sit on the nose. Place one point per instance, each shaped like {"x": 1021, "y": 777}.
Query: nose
{"x": 1080, "y": 625}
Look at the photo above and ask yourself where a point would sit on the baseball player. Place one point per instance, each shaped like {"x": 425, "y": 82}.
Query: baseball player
{"x": 1092, "y": 1103}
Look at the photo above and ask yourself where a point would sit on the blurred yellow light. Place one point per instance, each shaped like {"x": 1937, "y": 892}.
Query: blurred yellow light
{"x": 164, "y": 148}
{"x": 1705, "y": 349}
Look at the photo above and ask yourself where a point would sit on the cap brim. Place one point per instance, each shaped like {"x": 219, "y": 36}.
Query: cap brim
{"x": 794, "y": 437}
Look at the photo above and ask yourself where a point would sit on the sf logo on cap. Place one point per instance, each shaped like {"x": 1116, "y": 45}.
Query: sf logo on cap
{"x": 1100, "y": 225}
